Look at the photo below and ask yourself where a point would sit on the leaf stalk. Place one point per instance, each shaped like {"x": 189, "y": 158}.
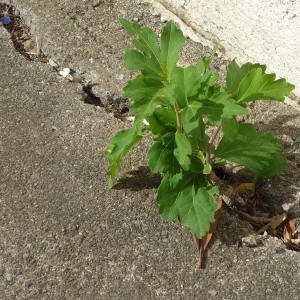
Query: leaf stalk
{"x": 178, "y": 116}
{"x": 209, "y": 146}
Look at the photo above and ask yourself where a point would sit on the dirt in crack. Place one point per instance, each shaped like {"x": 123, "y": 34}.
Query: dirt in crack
{"x": 28, "y": 46}
{"x": 112, "y": 103}
{"x": 116, "y": 105}
{"x": 24, "y": 42}
{"x": 89, "y": 97}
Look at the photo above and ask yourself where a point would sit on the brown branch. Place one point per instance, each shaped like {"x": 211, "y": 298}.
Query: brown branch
{"x": 203, "y": 243}
{"x": 254, "y": 219}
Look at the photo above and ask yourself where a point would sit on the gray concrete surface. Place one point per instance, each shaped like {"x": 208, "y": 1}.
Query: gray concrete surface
{"x": 63, "y": 234}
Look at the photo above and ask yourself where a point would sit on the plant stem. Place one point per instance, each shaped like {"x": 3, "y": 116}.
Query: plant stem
{"x": 208, "y": 153}
{"x": 178, "y": 116}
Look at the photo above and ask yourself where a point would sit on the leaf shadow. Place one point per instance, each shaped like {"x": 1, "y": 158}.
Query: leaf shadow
{"x": 230, "y": 231}
{"x": 137, "y": 180}
{"x": 278, "y": 125}
{"x": 282, "y": 189}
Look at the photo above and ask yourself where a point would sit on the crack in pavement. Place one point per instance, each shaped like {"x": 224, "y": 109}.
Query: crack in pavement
{"x": 20, "y": 34}
{"x": 29, "y": 47}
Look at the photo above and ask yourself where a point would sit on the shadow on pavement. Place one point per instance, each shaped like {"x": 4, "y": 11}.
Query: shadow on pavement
{"x": 139, "y": 179}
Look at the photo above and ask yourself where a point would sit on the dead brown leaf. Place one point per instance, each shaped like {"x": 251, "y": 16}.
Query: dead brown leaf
{"x": 273, "y": 224}
{"x": 289, "y": 230}
{"x": 286, "y": 235}
{"x": 203, "y": 243}
{"x": 245, "y": 187}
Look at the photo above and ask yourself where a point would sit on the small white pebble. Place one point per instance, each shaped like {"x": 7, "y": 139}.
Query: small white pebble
{"x": 64, "y": 72}
{"x": 52, "y": 63}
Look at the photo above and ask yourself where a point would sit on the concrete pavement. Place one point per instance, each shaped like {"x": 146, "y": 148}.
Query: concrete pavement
{"x": 63, "y": 233}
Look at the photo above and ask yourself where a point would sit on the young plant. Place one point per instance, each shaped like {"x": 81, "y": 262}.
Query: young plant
{"x": 179, "y": 104}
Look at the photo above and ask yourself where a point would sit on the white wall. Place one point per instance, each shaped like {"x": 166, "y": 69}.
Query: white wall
{"x": 265, "y": 31}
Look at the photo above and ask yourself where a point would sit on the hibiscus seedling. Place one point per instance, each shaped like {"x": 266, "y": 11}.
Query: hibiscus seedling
{"x": 178, "y": 105}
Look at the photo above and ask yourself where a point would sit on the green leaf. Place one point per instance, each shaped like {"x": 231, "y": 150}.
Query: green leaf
{"x": 250, "y": 82}
{"x": 119, "y": 145}
{"x": 163, "y": 120}
{"x": 153, "y": 59}
{"x": 142, "y": 88}
{"x": 147, "y": 43}
{"x": 135, "y": 60}
{"x": 171, "y": 43}
{"x": 187, "y": 82}
{"x": 183, "y": 150}
{"x": 161, "y": 158}
{"x": 241, "y": 144}
{"x": 194, "y": 127}
{"x": 230, "y": 107}
{"x": 132, "y": 28}
{"x": 235, "y": 73}
{"x": 145, "y": 94}
{"x": 148, "y": 59}
{"x": 212, "y": 110}
{"x": 188, "y": 198}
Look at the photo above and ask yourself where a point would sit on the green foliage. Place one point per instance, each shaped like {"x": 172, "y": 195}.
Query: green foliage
{"x": 120, "y": 144}
{"x": 190, "y": 199}
{"x": 241, "y": 144}
{"x": 179, "y": 104}
{"x": 250, "y": 82}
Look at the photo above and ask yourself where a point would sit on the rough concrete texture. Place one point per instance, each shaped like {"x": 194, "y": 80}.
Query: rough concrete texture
{"x": 63, "y": 234}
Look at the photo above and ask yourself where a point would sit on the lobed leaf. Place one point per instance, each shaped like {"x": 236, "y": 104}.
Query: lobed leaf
{"x": 250, "y": 82}
{"x": 161, "y": 157}
{"x": 153, "y": 59}
{"x": 194, "y": 128}
{"x": 119, "y": 145}
{"x": 260, "y": 153}
{"x": 188, "y": 198}
{"x": 132, "y": 28}
{"x": 230, "y": 107}
{"x": 145, "y": 94}
{"x": 147, "y": 59}
{"x": 171, "y": 43}
{"x": 147, "y": 43}
{"x": 183, "y": 150}
{"x": 235, "y": 73}
{"x": 187, "y": 82}
{"x": 163, "y": 120}
{"x": 135, "y": 60}
{"x": 212, "y": 110}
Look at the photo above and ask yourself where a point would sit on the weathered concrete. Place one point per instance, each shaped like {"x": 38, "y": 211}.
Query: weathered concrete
{"x": 63, "y": 234}
{"x": 259, "y": 31}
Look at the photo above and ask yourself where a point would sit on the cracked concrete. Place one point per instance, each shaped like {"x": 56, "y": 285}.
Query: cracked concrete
{"x": 63, "y": 234}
